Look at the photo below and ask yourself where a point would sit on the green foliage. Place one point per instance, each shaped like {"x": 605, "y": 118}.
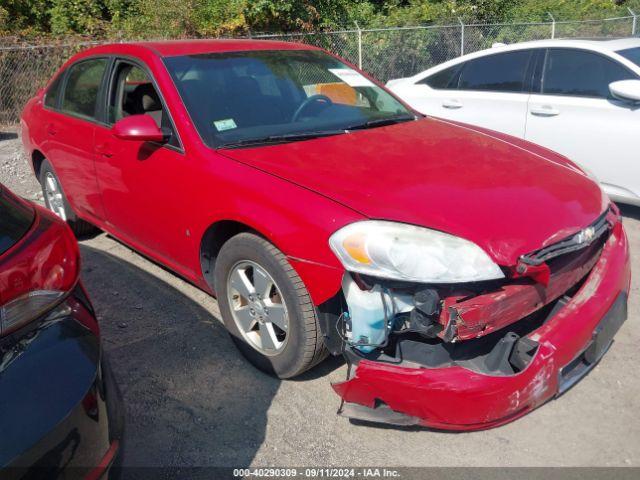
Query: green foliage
{"x": 77, "y": 16}
{"x": 423, "y": 11}
{"x": 285, "y": 15}
{"x": 168, "y": 18}
{"x": 23, "y": 15}
{"x": 572, "y": 9}
{"x": 179, "y": 18}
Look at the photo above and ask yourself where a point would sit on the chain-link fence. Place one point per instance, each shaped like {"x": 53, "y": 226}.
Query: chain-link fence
{"x": 385, "y": 53}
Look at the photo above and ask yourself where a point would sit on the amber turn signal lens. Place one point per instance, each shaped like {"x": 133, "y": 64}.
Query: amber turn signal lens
{"x": 355, "y": 246}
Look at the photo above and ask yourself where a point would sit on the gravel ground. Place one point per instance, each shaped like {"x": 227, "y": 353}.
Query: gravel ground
{"x": 14, "y": 172}
{"x": 191, "y": 399}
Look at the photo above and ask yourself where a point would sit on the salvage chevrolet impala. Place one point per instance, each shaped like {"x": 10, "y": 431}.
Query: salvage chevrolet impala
{"x": 467, "y": 276}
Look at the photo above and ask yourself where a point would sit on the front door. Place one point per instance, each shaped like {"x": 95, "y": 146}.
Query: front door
{"x": 138, "y": 180}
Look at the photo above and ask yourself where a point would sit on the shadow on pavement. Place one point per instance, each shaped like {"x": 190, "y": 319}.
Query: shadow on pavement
{"x": 190, "y": 398}
{"x": 8, "y": 136}
{"x": 321, "y": 370}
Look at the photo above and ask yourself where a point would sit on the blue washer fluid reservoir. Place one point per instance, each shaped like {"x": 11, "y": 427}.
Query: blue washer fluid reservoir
{"x": 367, "y": 313}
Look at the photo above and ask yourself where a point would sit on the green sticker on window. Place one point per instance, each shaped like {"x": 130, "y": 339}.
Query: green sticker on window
{"x": 226, "y": 124}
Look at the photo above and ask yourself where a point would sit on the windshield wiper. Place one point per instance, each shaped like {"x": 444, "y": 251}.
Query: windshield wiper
{"x": 288, "y": 137}
{"x": 381, "y": 122}
{"x": 296, "y": 137}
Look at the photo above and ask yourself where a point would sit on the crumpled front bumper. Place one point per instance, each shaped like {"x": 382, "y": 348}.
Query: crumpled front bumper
{"x": 456, "y": 398}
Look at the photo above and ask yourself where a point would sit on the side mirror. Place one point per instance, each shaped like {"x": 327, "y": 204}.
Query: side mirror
{"x": 627, "y": 90}
{"x": 138, "y": 127}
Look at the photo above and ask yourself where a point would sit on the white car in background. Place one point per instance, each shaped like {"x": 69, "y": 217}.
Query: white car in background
{"x": 580, "y": 98}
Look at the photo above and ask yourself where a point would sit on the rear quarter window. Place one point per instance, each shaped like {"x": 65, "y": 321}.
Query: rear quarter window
{"x": 444, "y": 79}
{"x": 82, "y": 87}
{"x": 53, "y": 92}
{"x": 16, "y": 218}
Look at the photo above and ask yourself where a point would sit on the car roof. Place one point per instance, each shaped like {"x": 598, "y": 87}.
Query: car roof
{"x": 170, "y": 48}
{"x": 606, "y": 46}
{"x": 603, "y": 45}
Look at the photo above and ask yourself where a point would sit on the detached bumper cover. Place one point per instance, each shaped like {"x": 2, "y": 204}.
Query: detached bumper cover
{"x": 455, "y": 398}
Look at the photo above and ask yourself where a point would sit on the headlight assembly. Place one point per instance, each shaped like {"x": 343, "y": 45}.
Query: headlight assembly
{"x": 406, "y": 252}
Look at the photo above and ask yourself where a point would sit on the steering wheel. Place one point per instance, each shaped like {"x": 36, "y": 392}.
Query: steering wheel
{"x": 322, "y": 99}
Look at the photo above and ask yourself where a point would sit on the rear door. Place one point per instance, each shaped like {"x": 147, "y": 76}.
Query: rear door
{"x": 70, "y": 129}
{"x": 490, "y": 91}
{"x": 573, "y": 113}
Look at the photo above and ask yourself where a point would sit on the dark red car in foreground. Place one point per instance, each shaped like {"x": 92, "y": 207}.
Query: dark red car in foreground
{"x": 60, "y": 410}
{"x": 467, "y": 276}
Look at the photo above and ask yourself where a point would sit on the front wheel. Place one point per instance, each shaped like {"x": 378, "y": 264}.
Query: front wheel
{"x": 266, "y": 307}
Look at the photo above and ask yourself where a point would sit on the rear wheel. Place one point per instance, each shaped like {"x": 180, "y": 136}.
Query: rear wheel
{"x": 266, "y": 307}
{"x": 56, "y": 201}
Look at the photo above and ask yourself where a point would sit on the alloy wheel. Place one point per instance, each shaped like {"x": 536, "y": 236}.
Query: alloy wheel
{"x": 258, "y": 308}
{"x": 53, "y": 195}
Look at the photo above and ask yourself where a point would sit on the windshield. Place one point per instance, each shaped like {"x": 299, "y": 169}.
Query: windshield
{"x": 632, "y": 54}
{"x": 240, "y": 97}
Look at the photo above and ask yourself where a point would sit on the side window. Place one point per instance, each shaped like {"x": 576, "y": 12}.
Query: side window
{"x": 502, "y": 72}
{"x": 444, "y": 79}
{"x": 53, "y": 93}
{"x": 132, "y": 93}
{"x": 580, "y": 73}
{"x": 82, "y": 87}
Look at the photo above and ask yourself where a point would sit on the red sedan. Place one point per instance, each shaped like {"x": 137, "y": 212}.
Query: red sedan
{"x": 467, "y": 276}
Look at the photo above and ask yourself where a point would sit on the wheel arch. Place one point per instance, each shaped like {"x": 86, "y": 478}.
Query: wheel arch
{"x": 214, "y": 237}
{"x": 37, "y": 157}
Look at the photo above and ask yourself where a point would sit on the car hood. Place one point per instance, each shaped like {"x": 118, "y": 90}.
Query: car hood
{"x": 508, "y": 196}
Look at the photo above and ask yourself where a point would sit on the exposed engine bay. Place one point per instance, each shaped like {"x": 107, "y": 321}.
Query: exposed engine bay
{"x": 481, "y": 325}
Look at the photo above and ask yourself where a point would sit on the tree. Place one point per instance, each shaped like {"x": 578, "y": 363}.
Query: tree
{"x": 284, "y": 15}
{"x": 78, "y": 16}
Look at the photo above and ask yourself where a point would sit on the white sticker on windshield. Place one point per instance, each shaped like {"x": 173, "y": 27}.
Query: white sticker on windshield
{"x": 351, "y": 77}
{"x": 226, "y": 124}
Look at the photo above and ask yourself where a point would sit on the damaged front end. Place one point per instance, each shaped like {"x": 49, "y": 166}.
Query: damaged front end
{"x": 473, "y": 355}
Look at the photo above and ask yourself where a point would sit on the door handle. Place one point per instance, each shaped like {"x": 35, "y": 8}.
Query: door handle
{"x": 104, "y": 150}
{"x": 452, "y": 104}
{"x": 544, "y": 111}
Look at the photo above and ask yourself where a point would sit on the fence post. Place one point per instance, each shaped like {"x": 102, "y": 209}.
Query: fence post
{"x": 553, "y": 25}
{"x": 633, "y": 25}
{"x": 461, "y": 36}
{"x": 359, "y": 45}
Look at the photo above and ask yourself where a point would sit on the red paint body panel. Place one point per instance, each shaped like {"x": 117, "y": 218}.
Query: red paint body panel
{"x": 454, "y": 179}
{"x": 194, "y": 47}
{"x": 138, "y": 128}
{"x": 456, "y": 398}
{"x": 45, "y": 258}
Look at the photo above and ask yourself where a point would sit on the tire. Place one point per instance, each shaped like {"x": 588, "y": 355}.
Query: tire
{"x": 301, "y": 344}
{"x": 56, "y": 201}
